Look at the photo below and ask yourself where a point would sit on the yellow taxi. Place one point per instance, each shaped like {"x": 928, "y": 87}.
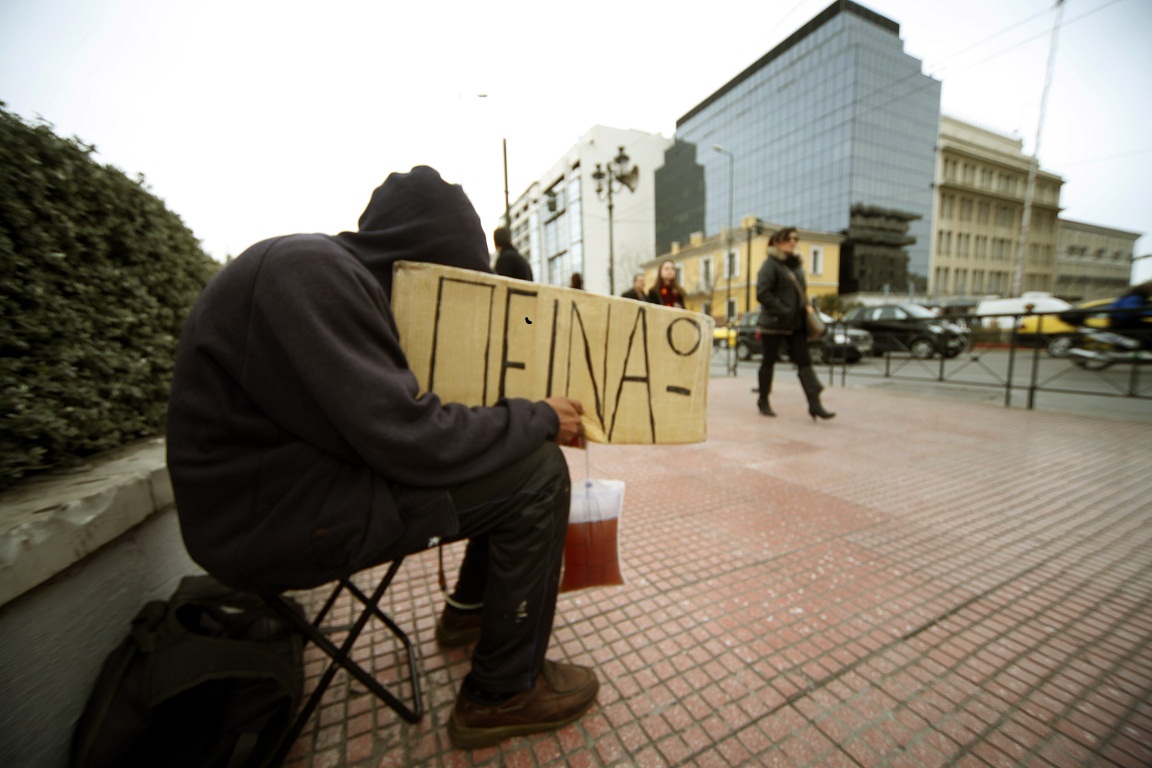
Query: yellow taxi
{"x": 723, "y": 336}
{"x": 1054, "y": 333}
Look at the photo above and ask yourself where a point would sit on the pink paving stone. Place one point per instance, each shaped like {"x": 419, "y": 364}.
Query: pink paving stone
{"x": 733, "y": 752}
{"x": 546, "y": 749}
{"x": 716, "y": 728}
{"x": 1127, "y": 753}
{"x": 328, "y": 759}
{"x": 518, "y": 755}
{"x": 457, "y": 759}
{"x": 584, "y": 759}
{"x": 674, "y": 750}
{"x": 609, "y": 749}
{"x": 695, "y": 737}
{"x": 359, "y": 748}
{"x": 655, "y": 727}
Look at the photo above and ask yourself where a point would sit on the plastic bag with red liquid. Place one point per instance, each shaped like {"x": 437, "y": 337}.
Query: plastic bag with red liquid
{"x": 591, "y": 552}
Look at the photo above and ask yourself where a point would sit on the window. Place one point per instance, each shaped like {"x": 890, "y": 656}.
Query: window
{"x": 889, "y": 313}
{"x": 554, "y": 199}
{"x": 965, "y": 209}
{"x": 706, "y": 271}
{"x": 731, "y": 309}
{"x": 816, "y": 260}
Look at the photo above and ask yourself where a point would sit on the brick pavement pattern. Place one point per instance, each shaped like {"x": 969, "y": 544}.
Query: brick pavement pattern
{"x": 918, "y": 582}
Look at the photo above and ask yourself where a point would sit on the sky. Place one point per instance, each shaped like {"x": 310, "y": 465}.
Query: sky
{"x": 255, "y": 118}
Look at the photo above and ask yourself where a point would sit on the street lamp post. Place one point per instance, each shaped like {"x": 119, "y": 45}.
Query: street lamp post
{"x": 757, "y": 228}
{"x": 616, "y": 172}
{"x": 728, "y": 251}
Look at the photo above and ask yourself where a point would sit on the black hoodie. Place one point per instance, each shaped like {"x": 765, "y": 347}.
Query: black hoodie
{"x": 417, "y": 216}
{"x": 297, "y": 446}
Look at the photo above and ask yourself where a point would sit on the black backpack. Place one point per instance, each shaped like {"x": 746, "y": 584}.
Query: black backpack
{"x": 209, "y": 678}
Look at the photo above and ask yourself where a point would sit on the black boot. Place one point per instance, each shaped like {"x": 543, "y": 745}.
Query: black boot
{"x": 765, "y": 389}
{"x": 812, "y": 388}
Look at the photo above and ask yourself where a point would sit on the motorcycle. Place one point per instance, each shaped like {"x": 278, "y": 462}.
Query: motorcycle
{"x": 1094, "y": 349}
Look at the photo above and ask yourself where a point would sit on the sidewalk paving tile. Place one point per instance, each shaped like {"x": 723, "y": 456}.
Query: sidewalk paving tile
{"x": 917, "y": 582}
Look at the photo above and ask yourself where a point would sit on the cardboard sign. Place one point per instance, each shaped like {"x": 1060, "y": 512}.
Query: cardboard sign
{"x": 640, "y": 370}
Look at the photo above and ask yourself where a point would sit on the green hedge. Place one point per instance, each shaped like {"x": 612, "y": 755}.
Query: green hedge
{"x": 97, "y": 276}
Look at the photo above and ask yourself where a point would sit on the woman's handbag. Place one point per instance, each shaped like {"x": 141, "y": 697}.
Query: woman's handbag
{"x": 816, "y": 327}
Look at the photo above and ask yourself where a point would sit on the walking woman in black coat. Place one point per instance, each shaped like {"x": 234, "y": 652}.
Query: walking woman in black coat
{"x": 783, "y": 295}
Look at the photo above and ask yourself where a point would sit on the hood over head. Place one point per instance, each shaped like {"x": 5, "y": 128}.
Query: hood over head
{"x": 417, "y": 216}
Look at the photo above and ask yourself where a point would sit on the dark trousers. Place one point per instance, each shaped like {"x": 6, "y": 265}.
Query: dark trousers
{"x": 797, "y": 346}
{"x": 515, "y": 520}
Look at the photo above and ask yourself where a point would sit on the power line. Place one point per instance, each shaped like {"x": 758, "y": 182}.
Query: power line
{"x": 1103, "y": 158}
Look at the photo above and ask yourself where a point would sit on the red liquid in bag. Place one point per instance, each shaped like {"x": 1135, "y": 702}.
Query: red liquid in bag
{"x": 591, "y": 557}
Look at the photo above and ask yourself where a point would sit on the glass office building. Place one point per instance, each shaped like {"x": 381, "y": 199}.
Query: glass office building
{"x": 835, "y": 116}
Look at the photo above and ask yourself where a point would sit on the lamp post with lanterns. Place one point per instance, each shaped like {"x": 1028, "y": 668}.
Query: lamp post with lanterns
{"x": 614, "y": 174}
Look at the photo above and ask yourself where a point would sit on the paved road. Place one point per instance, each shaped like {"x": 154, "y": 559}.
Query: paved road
{"x": 982, "y": 375}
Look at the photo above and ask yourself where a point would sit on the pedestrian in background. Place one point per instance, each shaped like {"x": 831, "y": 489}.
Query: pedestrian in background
{"x": 667, "y": 291}
{"x": 637, "y": 290}
{"x": 782, "y": 292}
{"x": 509, "y": 262}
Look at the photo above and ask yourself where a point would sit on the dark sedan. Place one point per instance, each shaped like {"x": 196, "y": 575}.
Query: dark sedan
{"x": 840, "y": 344}
{"x": 910, "y": 328}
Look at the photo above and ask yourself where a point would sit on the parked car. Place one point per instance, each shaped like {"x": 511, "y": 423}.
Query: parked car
{"x": 910, "y": 328}
{"x": 723, "y": 336}
{"x": 841, "y": 344}
{"x": 1057, "y": 332}
{"x": 1001, "y": 313}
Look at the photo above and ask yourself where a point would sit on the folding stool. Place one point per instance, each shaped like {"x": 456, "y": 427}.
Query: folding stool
{"x": 341, "y": 656}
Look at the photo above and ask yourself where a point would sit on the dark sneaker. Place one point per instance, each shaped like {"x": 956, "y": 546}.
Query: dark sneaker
{"x": 456, "y": 627}
{"x": 562, "y": 694}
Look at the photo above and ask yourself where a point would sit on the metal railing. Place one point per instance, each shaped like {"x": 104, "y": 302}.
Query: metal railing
{"x": 1001, "y": 356}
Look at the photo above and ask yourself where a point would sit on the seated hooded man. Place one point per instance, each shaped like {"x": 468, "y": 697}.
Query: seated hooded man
{"x": 300, "y": 451}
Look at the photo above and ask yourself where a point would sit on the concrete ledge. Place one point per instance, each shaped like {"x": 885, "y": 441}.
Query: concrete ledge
{"x": 80, "y": 554}
{"x": 49, "y": 523}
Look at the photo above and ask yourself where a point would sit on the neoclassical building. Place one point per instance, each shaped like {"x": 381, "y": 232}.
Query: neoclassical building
{"x": 1093, "y": 262}
{"x": 981, "y": 181}
{"x": 725, "y": 286}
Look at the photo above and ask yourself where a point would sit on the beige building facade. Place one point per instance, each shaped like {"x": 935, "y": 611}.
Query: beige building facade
{"x": 1093, "y": 262}
{"x": 725, "y": 286}
{"x": 981, "y": 182}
